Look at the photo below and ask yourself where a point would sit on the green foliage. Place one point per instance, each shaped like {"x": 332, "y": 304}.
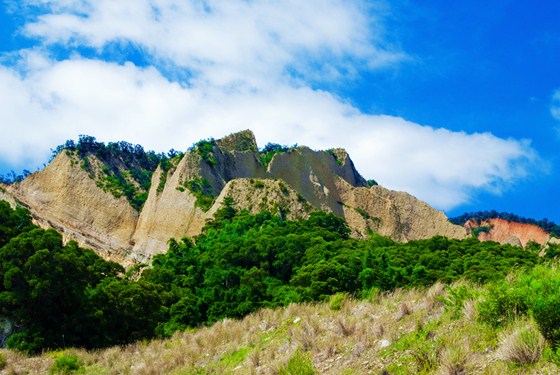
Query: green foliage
{"x": 335, "y": 156}
{"x": 127, "y": 171}
{"x": 62, "y": 295}
{"x": 201, "y": 188}
{"x": 165, "y": 167}
{"x": 12, "y": 177}
{"x": 2, "y": 361}
{"x": 535, "y": 293}
{"x": 117, "y": 183}
{"x": 66, "y": 364}
{"x": 205, "y": 148}
{"x": 243, "y": 141}
{"x": 481, "y": 229}
{"x": 123, "y": 311}
{"x": 13, "y": 222}
{"x": 552, "y": 251}
{"x": 271, "y": 149}
{"x": 337, "y": 301}
{"x": 456, "y": 297}
{"x": 371, "y": 183}
{"x": 86, "y": 165}
{"x": 363, "y": 213}
{"x": 245, "y": 262}
{"x": 298, "y": 364}
{"x": 283, "y": 188}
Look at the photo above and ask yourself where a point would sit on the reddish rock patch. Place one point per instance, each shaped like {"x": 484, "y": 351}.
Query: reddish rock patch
{"x": 502, "y": 231}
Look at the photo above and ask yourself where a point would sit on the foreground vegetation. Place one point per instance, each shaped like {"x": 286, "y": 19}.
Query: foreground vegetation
{"x": 362, "y": 305}
{"x": 439, "y": 330}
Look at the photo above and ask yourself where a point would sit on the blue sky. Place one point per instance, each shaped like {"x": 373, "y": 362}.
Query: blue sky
{"x": 458, "y": 105}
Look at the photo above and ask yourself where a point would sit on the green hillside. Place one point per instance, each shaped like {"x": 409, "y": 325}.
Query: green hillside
{"x": 264, "y": 269}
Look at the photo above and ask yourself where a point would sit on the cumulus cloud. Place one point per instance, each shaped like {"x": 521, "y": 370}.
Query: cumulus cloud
{"x": 116, "y": 102}
{"x": 250, "y": 64}
{"x": 224, "y": 42}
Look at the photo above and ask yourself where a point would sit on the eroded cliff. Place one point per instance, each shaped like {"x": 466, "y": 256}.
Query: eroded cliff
{"x": 64, "y": 196}
{"x": 187, "y": 190}
{"x": 504, "y": 231}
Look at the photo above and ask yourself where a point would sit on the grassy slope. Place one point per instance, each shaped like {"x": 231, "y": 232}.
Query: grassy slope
{"x": 405, "y": 332}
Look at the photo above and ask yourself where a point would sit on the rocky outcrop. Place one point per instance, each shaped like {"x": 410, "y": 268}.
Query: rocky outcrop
{"x": 295, "y": 183}
{"x": 398, "y": 215}
{"x": 64, "y": 197}
{"x": 503, "y": 231}
{"x": 316, "y": 175}
{"x": 256, "y": 195}
{"x": 169, "y": 213}
{"x": 5, "y": 196}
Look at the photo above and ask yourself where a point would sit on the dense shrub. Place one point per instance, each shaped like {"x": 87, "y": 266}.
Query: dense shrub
{"x": 62, "y": 295}
{"x": 66, "y": 364}
{"x": 205, "y": 148}
{"x": 244, "y": 262}
{"x": 271, "y": 149}
{"x": 535, "y": 293}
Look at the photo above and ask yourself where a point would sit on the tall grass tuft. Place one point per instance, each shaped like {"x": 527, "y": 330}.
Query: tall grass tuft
{"x": 3, "y": 361}
{"x": 298, "y": 364}
{"x": 522, "y": 344}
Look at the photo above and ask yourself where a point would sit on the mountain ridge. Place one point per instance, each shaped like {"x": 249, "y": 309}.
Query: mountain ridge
{"x": 188, "y": 188}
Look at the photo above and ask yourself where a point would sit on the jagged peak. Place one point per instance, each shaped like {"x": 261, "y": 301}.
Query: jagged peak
{"x": 242, "y": 141}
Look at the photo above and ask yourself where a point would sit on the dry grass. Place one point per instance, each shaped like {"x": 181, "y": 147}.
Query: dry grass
{"x": 522, "y": 343}
{"x": 403, "y": 332}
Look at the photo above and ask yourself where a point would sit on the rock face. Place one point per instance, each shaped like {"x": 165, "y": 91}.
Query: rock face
{"x": 398, "y": 215}
{"x": 294, "y": 184}
{"x": 5, "y": 196}
{"x": 504, "y": 231}
{"x": 64, "y": 197}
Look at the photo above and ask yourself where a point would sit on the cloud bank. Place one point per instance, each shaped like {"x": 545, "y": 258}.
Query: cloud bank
{"x": 214, "y": 67}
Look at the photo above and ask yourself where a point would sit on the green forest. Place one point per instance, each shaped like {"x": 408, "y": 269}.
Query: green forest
{"x": 58, "y": 296}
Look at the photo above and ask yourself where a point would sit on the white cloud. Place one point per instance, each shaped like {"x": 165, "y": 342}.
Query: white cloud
{"x": 226, "y": 42}
{"x": 116, "y": 102}
{"x": 252, "y": 64}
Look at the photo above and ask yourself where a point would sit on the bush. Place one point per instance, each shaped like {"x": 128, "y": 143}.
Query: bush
{"x": 523, "y": 344}
{"x": 535, "y": 293}
{"x": 66, "y": 364}
{"x": 205, "y": 148}
{"x": 455, "y": 299}
{"x": 299, "y": 364}
{"x": 269, "y": 150}
{"x": 2, "y": 361}
{"x": 201, "y": 188}
{"x": 337, "y": 301}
